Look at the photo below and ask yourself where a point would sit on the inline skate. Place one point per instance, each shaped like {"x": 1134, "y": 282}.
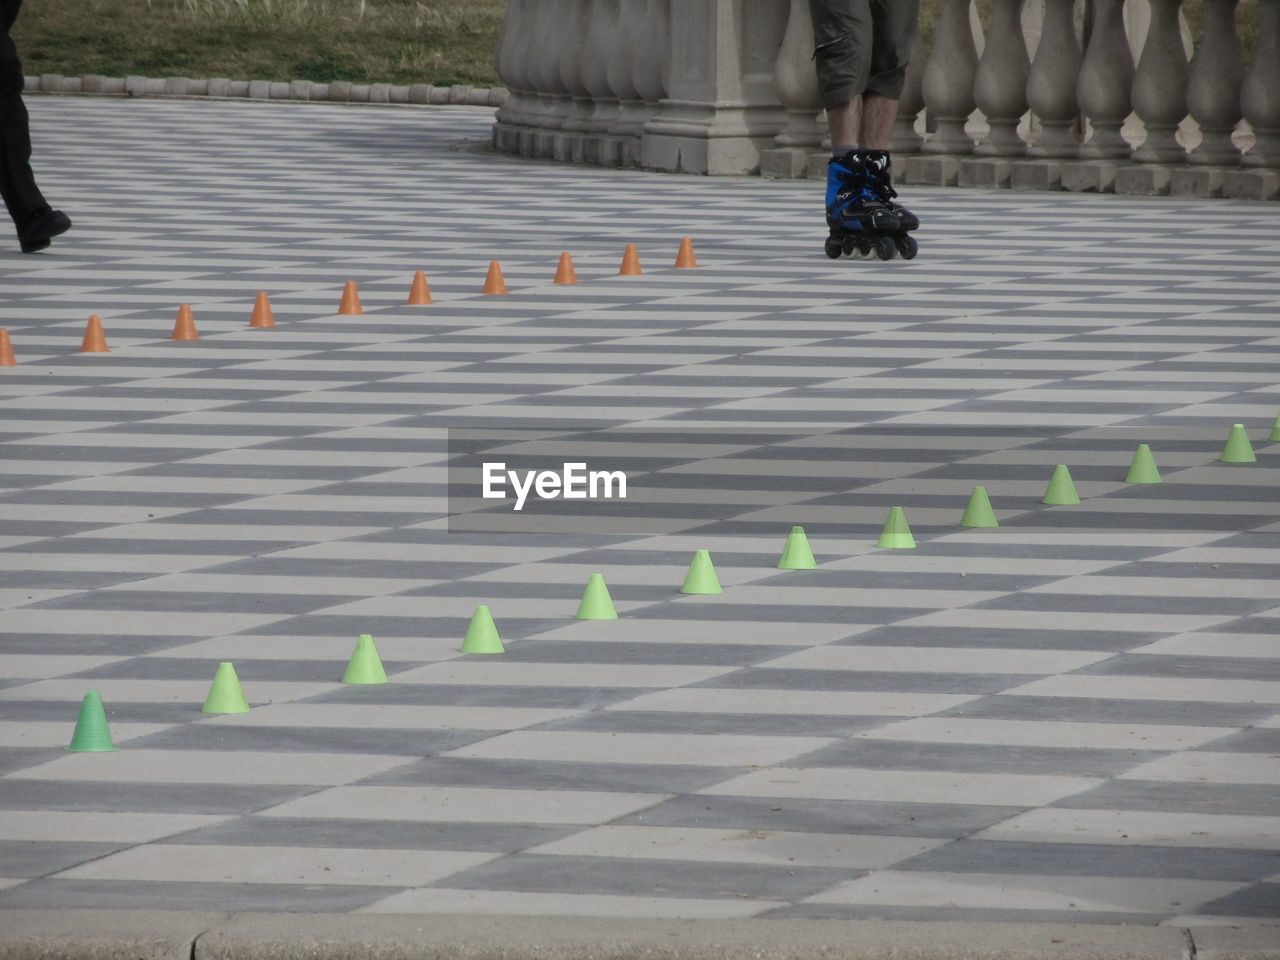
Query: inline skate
{"x": 861, "y": 215}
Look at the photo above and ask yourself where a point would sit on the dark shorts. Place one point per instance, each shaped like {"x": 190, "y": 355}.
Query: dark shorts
{"x": 862, "y": 46}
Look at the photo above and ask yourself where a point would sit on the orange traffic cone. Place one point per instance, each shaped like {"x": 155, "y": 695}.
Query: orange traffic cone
{"x": 350, "y": 300}
{"x": 684, "y": 259}
{"x": 419, "y": 292}
{"x": 564, "y": 272}
{"x": 94, "y": 341}
{"x": 6, "y": 350}
{"x": 262, "y": 316}
{"x": 630, "y": 262}
{"x": 184, "y": 328}
{"x": 493, "y": 282}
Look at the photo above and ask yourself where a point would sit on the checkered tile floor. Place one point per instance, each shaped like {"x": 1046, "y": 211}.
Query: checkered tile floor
{"x": 1072, "y": 716}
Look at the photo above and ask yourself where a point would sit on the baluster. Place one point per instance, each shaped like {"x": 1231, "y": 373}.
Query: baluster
{"x": 631, "y": 110}
{"x": 1000, "y": 85}
{"x": 553, "y": 99}
{"x": 569, "y": 146}
{"x": 1051, "y": 84}
{"x": 948, "y": 79}
{"x": 595, "y": 76}
{"x": 905, "y": 138}
{"x": 1260, "y": 96}
{"x": 1106, "y": 77}
{"x": 1213, "y": 87}
{"x": 510, "y": 62}
{"x": 796, "y": 81}
{"x": 653, "y": 49}
{"x": 1160, "y": 86}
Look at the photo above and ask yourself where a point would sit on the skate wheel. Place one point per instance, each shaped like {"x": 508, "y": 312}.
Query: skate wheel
{"x": 864, "y": 245}
{"x": 907, "y": 246}
{"x": 885, "y": 248}
{"x": 833, "y": 248}
{"x": 848, "y": 247}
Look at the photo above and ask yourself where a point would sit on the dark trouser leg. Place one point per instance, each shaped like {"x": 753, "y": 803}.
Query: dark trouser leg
{"x": 17, "y": 182}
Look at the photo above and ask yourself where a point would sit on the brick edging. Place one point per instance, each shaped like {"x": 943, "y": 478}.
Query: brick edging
{"x": 339, "y": 91}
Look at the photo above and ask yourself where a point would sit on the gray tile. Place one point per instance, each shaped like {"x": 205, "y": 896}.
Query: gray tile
{"x": 1258, "y": 900}
{"x": 52, "y": 894}
{"x": 647, "y": 878}
{"x": 550, "y": 775}
{"x": 976, "y": 758}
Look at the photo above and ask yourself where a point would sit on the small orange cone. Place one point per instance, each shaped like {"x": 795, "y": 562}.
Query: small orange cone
{"x": 493, "y": 282}
{"x": 564, "y": 272}
{"x": 184, "y": 328}
{"x": 350, "y": 300}
{"x": 630, "y": 262}
{"x": 94, "y": 341}
{"x": 684, "y": 259}
{"x": 419, "y": 292}
{"x": 262, "y": 316}
{"x": 6, "y": 350}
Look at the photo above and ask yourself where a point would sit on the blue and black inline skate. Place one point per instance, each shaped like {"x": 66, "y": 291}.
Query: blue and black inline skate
{"x": 861, "y": 210}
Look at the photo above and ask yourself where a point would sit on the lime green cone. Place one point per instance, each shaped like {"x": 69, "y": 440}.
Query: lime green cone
{"x": 226, "y": 695}
{"x": 596, "y": 603}
{"x": 701, "y": 577}
{"x": 1062, "y": 491}
{"x": 797, "y": 555}
{"x": 1275, "y": 431}
{"x": 979, "y": 513}
{"x": 365, "y": 665}
{"x": 92, "y": 734}
{"x": 1238, "y": 448}
{"x": 1143, "y": 468}
{"x": 896, "y": 535}
{"x": 482, "y": 634}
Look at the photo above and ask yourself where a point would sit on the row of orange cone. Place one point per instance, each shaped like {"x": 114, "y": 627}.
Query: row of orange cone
{"x": 419, "y": 295}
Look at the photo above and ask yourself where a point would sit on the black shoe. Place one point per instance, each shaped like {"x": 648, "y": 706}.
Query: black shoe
{"x": 42, "y": 228}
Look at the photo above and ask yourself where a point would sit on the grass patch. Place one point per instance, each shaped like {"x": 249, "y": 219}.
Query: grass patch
{"x": 363, "y": 41}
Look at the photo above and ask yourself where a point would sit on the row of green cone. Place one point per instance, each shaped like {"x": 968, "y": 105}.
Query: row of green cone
{"x": 365, "y": 667}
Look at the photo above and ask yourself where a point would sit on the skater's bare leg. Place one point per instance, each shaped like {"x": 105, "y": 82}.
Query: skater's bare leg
{"x": 865, "y": 121}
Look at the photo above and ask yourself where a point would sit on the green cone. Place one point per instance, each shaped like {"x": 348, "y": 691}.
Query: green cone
{"x": 365, "y": 665}
{"x": 797, "y": 555}
{"x": 896, "y": 535}
{"x": 1143, "y": 468}
{"x": 226, "y": 695}
{"x": 596, "y": 603}
{"x": 482, "y": 634}
{"x": 92, "y": 734}
{"x": 979, "y": 513}
{"x": 701, "y": 577}
{"x": 1275, "y": 431}
{"x": 1062, "y": 491}
{"x": 1238, "y": 448}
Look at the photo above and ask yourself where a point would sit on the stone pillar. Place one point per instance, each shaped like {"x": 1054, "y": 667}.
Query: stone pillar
{"x": 1260, "y": 96}
{"x": 796, "y": 82}
{"x": 720, "y": 110}
{"x": 1051, "y": 84}
{"x": 510, "y": 60}
{"x": 1160, "y": 86}
{"x": 948, "y": 79}
{"x": 1106, "y": 77}
{"x": 1000, "y": 85}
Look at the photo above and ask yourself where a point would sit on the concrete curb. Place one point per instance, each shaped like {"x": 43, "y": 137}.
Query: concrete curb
{"x": 339, "y": 91}
{"x": 170, "y": 935}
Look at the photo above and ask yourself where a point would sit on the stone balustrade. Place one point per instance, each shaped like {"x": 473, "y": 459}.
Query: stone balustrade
{"x": 1114, "y": 99}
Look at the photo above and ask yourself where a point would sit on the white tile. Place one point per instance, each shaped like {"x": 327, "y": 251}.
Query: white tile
{"x": 714, "y": 750}
{"x": 430, "y": 804}
{"x": 521, "y": 903}
{"x": 1047, "y": 733}
{"x": 210, "y": 766}
{"x": 902, "y": 786}
{"x": 1205, "y": 766}
{"x": 97, "y": 826}
{"x": 1139, "y": 827}
{"x": 708, "y": 845}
